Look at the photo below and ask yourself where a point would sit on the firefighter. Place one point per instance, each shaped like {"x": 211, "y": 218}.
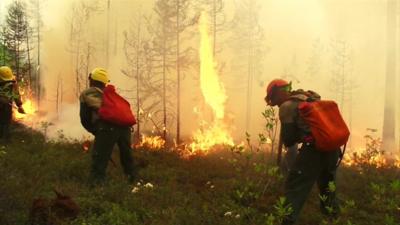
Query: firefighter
{"x": 9, "y": 94}
{"x": 106, "y": 134}
{"x": 310, "y": 164}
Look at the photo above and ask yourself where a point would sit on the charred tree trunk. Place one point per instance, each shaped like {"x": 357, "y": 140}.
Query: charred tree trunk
{"x": 28, "y": 50}
{"x": 164, "y": 64}
{"x": 214, "y": 27}
{"x": 138, "y": 46}
{"x": 77, "y": 77}
{"x": 87, "y": 65}
{"x": 38, "y": 75}
{"x": 388, "y": 136}
{"x": 17, "y": 53}
{"x": 178, "y": 73}
{"x": 58, "y": 97}
{"x": 108, "y": 35}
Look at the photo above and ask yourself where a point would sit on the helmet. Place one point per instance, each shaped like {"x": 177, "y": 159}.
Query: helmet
{"x": 99, "y": 74}
{"x": 6, "y": 73}
{"x": 276, "y": 83}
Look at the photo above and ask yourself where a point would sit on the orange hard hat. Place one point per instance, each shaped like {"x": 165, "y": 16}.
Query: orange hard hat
{"x": 276, "y": 83}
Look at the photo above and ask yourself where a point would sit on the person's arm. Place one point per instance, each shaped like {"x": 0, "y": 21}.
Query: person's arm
{"x": 287, "y": 115}
{"x": 16, "y": 97}
{"x": 289, "y": 134}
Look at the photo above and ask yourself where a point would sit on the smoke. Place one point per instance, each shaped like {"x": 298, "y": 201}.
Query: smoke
{"x": 67, "y": 123}
{"x": 291, "y": 28}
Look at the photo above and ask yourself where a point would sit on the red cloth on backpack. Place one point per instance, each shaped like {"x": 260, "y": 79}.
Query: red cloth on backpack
{"x": 115, "y": 109}
{"x": 327, "y": 125}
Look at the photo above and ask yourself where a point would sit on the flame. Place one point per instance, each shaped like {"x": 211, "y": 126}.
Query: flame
{"x": 358, "y": 157}
{"x": 211, "y": 87}
{"x": 29, "y": 108}
{"x": 397, "y": 162}
{"x": 152, "y": 142}
{"x": 214, "y": 95}
{"x": 86, "y": 146}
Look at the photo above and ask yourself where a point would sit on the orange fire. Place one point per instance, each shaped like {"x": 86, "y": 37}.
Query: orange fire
{"x": 397, "y": 162}
{"x": 30, "y": 111}
{"x": 86, "y": 146}
{"x": 216, "y": 132}
{"x": 152, "y": 142}
{"x": 358, "y": 157}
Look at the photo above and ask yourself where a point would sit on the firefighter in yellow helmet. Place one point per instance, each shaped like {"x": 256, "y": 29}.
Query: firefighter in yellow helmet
{"x": 106, "y": 134}
{"x": 9, "y": 94}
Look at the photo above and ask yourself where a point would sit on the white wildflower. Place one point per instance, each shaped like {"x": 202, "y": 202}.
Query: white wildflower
{"x": 228, "y": 213}
{"x": 212, "y": 186}
{"x": 138, "y": 184}
{"x": 148, "y": 185}
{"x": 209, "y": 182}
{"x": 237, "y": 216}
{"x": 135, "y": 190}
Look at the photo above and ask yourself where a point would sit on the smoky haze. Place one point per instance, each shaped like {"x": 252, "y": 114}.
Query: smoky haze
{"x": 309, "y": 42}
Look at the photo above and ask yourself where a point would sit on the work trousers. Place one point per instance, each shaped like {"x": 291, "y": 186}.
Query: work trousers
{"x": 106, "y": 136}
{"x": 312, "y": 166}
{"x": 5, "y": 121}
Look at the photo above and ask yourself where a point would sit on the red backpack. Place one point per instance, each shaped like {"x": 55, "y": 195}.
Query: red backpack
{"x": 328, "y": 128}
{"x": 115, "y": 109}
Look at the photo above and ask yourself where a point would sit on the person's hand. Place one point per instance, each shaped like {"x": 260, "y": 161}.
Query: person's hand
{"x": 21, "y": 110}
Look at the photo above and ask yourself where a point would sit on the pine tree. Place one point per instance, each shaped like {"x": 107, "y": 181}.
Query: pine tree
{"x": 15, "y": 36}
{"x": 135, "y": 46}
{"x": 248, "y": 42}
{"x": 168, "y": 56}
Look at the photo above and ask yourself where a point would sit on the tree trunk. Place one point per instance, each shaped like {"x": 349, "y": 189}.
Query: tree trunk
{"x": 87, "y": 65}
{"x": 29, "y": 62}
{"x": 388, "y": 136}
{"x": 214, "y": 27}
{"x": 250, "y": 67}
{"x": 178, "y": 73}
{"x": 17, "y": 54}
{"x": 164, "y": 85}
{"x": 138, "y": 79}
{"x": 38, "y": 75}
{"x": 58, "y": 97}
{"x": 108, "y": 35}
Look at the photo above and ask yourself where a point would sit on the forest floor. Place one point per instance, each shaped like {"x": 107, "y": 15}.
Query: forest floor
{"x": 219, "y": 188}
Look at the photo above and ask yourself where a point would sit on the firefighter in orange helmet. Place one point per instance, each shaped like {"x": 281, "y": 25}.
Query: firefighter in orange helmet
{"x": 9, "y": 94}
{"x": 310, "y": 165}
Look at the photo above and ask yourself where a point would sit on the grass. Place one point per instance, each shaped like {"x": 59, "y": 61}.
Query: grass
{"x": 219, "y": 188}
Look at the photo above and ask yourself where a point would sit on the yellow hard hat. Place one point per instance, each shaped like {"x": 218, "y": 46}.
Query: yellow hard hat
{"x": 6, "y": 73}
{"x": 99, "y": 74}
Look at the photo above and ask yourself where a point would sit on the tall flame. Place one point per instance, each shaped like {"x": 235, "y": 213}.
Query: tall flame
{"x": 211, "y": 87}
{"x": 214, "y": 95}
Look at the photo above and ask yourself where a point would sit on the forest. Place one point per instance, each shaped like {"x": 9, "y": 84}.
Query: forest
{"x": 206, "y": 147}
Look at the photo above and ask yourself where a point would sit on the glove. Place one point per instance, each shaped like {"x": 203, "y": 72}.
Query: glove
{"x": 21, "y": 110}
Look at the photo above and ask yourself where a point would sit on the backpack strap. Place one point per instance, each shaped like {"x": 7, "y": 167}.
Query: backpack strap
{"x": 301, "y": 95}
{"x": 98, "y": 89}
{"x": 341, "y": 155}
